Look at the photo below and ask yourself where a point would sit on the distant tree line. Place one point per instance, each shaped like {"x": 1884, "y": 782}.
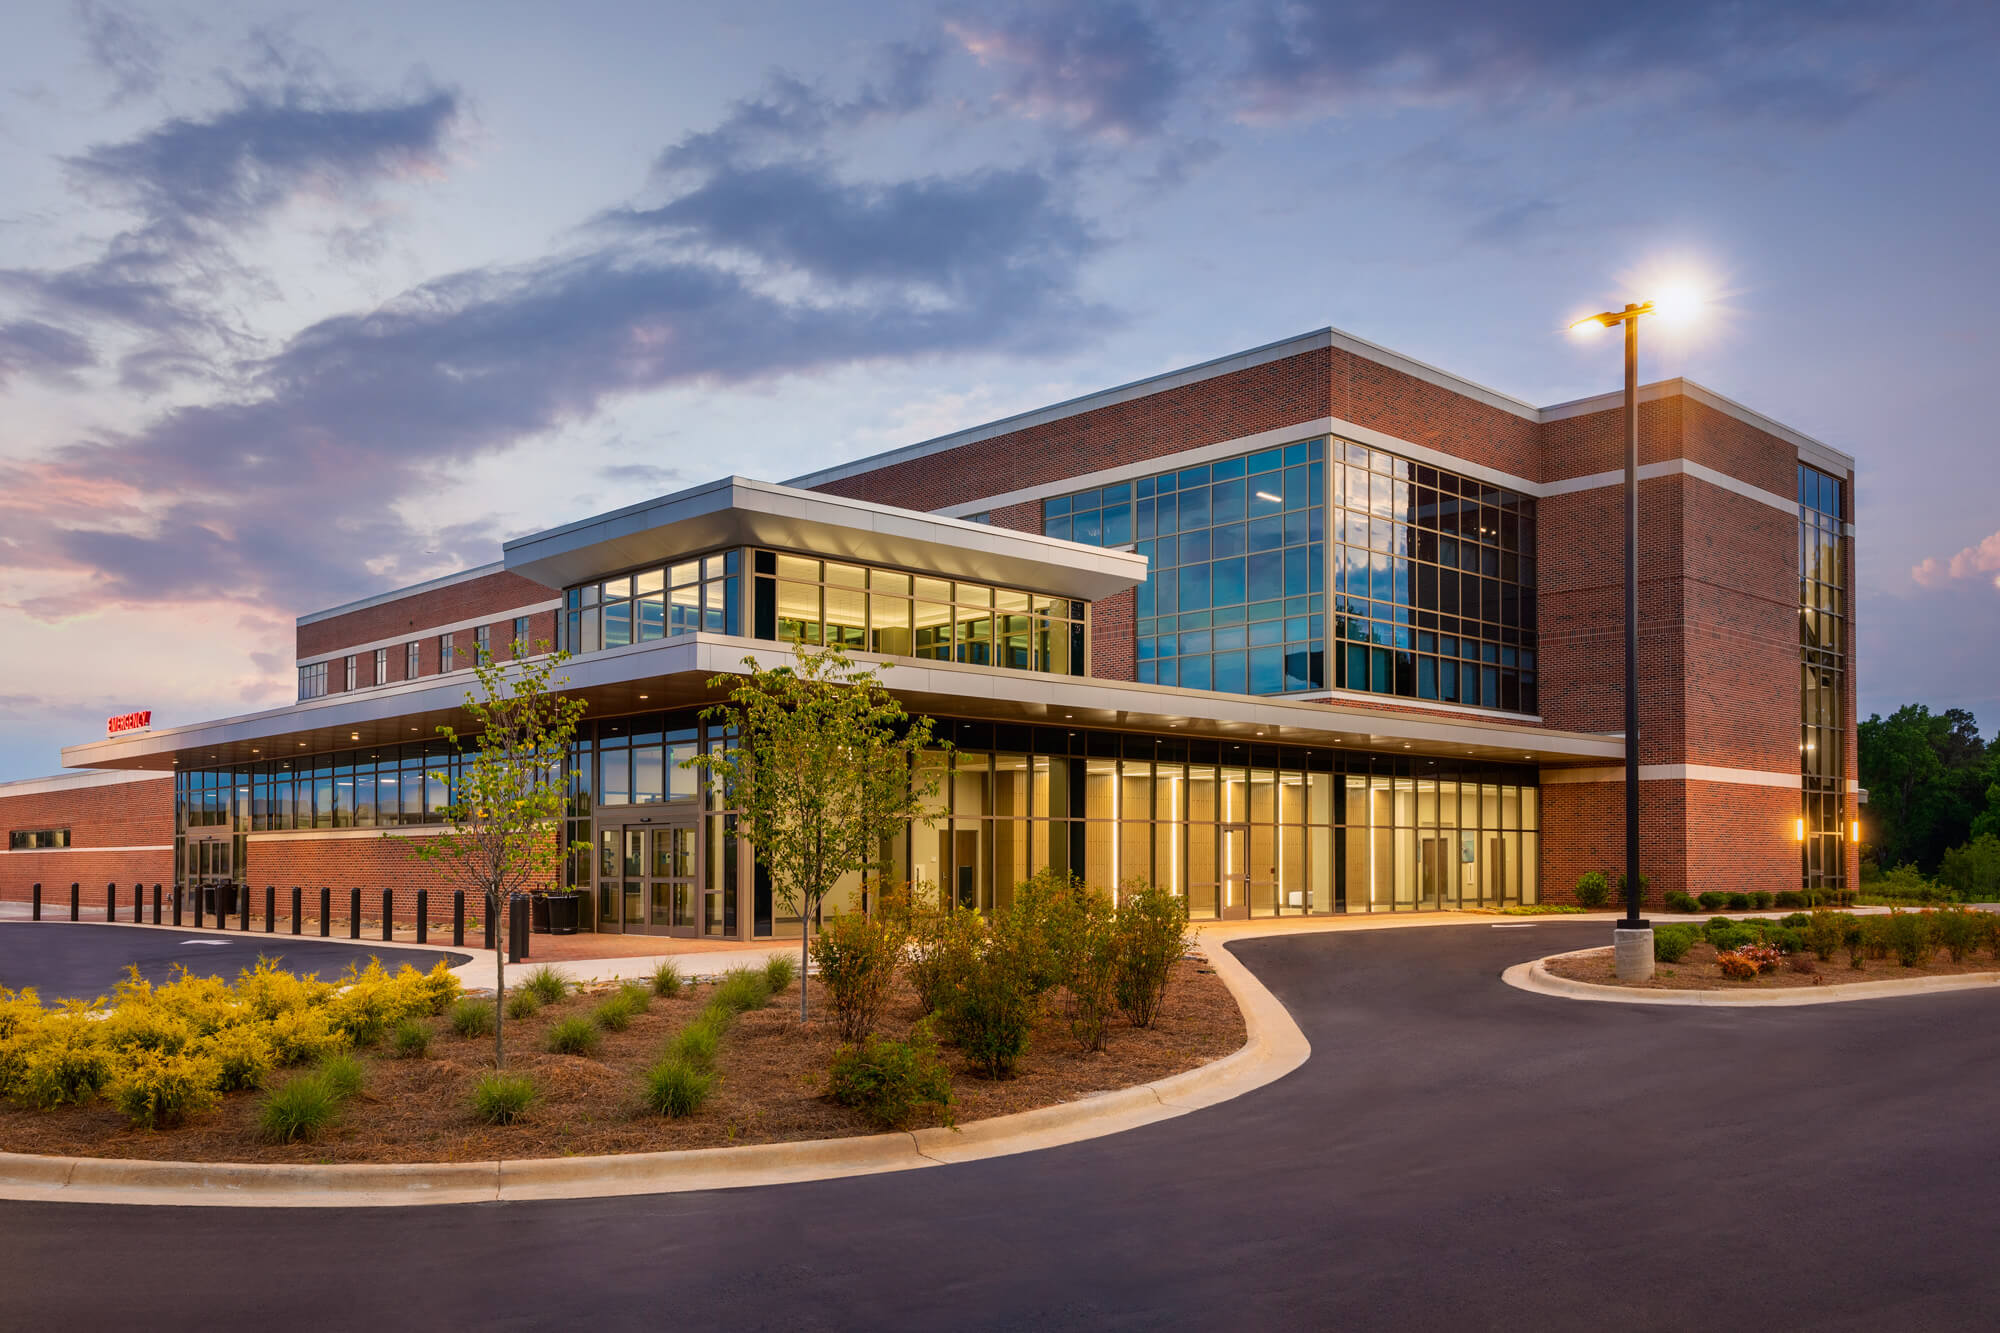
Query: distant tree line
{"x": 1933, "y": 799}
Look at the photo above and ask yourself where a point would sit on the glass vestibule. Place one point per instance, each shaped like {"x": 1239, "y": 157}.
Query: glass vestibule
{"x": 646, "y": 882}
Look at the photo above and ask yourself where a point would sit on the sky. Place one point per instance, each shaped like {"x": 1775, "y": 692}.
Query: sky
{"x": 302, "y": 304}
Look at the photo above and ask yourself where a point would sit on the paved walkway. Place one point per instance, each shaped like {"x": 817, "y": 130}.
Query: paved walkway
{"x": 1455, "y": 1154}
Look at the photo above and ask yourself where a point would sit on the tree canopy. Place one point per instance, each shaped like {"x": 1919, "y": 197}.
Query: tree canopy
{"x": 1933, "y": 785}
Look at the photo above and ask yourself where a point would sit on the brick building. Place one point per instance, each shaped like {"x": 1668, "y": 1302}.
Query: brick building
{"x": 1310, "y": 628}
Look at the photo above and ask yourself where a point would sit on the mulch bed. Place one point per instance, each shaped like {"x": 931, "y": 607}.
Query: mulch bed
{"x": 1698, "y": 971}
{"x": 771, "y": 1087}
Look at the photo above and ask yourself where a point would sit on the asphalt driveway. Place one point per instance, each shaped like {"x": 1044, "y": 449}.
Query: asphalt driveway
{"x": 64, "y": 960}
{"x": 1455, "y": 1155}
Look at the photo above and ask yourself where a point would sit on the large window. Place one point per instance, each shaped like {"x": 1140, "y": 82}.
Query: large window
{"x": 801, "y": 599}
{"x": 37, "y": 839}
{"x": 1434, "y": 578}
{"x": 1236, "y": 598}
{"x": 312, "y": 681}
{"x": 381, "y": 667}
{"x": 700, "y": 593}
{"x": 412, "y": 660}
{"x": 1822, "y": 678}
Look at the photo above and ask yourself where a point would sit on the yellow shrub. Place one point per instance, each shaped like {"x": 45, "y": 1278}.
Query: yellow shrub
{"x": 268, "y": 992}
{"x": 206, "y": 1003}
{"x": 156, "y": 1088}
{"x": 65, "y": 1063}
{"x": 438, "y": 987}
{"x": 300, "y": 1035}
{"x": 22, "y": 1008}
{"x": 146, "y": 1025}
{"x": 243, "y": 1055}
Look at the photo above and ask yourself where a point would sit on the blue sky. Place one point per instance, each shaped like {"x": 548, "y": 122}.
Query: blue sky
{"x": 296, "y": 305}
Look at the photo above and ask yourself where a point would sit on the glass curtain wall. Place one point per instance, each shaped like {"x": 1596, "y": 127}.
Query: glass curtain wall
{"x": 1236, "y": 598}
{"x": 663, "y": 602}
{"x": 1822, "y": 678}
{"x": 1434, "y": 583}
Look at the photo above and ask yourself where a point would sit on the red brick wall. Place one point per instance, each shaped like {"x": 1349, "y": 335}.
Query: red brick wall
{"x": 1693, "y": 836}
{"x": 118, "y": 815}
{"x": 1385, "y": 399}
{"x": 370, "y": 864}
{"x": 408, "y": 617}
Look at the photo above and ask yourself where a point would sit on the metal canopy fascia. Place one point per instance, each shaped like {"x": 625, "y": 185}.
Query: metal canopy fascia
{"x": 740, "y": 511}
{"x": 675, "y": 672}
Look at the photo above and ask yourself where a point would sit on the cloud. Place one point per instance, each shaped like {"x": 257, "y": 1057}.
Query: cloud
{"x": 1983, "y": 558}
{"x": 1102, "y": 67}
{"x": 1806, "y": 60}
{"x": 29, "y": 347}
{"x": 127, "y": 46}
{"x": 640, "y": 474}
{"x": 790, "y": 115}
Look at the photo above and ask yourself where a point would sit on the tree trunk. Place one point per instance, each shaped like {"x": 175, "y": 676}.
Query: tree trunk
{"x": 499, "y": 979}
{"x": 805, "y": 933}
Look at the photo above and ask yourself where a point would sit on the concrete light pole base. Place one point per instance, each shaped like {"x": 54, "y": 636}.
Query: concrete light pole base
{"x": 1633, "y": 953}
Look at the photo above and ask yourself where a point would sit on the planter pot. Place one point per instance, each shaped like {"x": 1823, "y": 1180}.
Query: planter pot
{"x": 563, "y": 910}
{"x": 538, "y": 913}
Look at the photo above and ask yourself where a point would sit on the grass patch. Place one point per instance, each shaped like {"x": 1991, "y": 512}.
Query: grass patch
{"x": 698, "y": 1042}
{"x": 343, "y": 1073}
{"x": 575, "y": 1035}
{"x": 546, "y": 984}
{"x": 411, "y": 1040}
{"x": 676, "y": 1088}
{"x": 298, "y": 1110}
{"x": 780, "y": 971}
{"x": 742, "y": 990}
{"x": 523, "y": 1003}
{"x": 502, "y": 1099}
{"x": 472, "y": 1017}
{"x": 667, "y": 980}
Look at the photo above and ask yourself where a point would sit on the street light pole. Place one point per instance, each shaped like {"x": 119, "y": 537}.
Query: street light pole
{"x": 1633, "y": 935}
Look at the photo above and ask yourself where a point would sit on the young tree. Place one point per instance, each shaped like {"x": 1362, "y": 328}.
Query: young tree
{"x": 505, "y": 820}
{"x": 820, "y": 773}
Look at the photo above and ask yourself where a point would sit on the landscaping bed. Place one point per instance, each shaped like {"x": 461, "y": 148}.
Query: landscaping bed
{"x": 771, "y": 1078}
{"x": 1699, "y": 971}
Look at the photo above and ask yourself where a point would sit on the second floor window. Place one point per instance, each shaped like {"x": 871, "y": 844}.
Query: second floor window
{"x": 349, "y": 673}
{"x": 521, "y": 637}
{"x": 412, "y": 661}
{"x": 482, "y": 639}
{"x": 381, "y": 666}
{"x": 444, "y": 653}
{"x": 312, "y": 680}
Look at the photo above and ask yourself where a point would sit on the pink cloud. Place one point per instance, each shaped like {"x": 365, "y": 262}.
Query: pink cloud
{"x": 1981, "y": 559}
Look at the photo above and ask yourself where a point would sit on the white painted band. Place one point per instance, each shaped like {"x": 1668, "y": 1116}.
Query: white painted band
{"x": 1750, "y": 777}
{"x": 30, "y": 851}
{"x": 427, "y": 632}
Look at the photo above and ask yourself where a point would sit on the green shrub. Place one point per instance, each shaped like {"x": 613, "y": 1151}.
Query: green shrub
{"x": 1973, "y": 871}
{"x": 1032, "y": 929}
{"x": 243, "y": 1056}
{"x": 1958, "y": 931}
{"x": 301, "y": 1109}
{"x": 523, "y": 1003}
{"x": 698, "y": 1042}
{"x": 1671, "y": 943}
{"x": 891, "y": 1081}
{"x": 1093, "y": 954}
{"x": 1593, "y": 890}
{"x": 471, "y": 1017}
{"x": 940, "y": 947}
{"x": 667, "y": 979}
{"x": 1712, "y": 900}
{"x": 1152, "y": 936}
{"x": 742, "y": 989}
{"x": 575, "y": 1035}
{"x": 1826, "y": 932}
{"x": 676, "y": 1088}
{"x": 1785, "y": 939}
{"x": 1904, "y": 884}
{"x": 342, "y": 1073}
{"x": 546, "y": 984}
{"x": 1645, "y": 883}
{"x": 411, "y": 1040}
{"x": 1877, "y": 939}
{"x": 1739, "y": 902}
{"x": 1910, "y": 937}
{"x": 1798, "y": 919}
{"x": 857, "y": 957}
{"x": 1730, "y": 937}
{"x": 1680, "y": 900}
{"x": 780, "y": 971}
{"x": 1790, "y": 898}
{"x": 1760, "y": 900}
{"x": 1854, "y": 939}
{"x": 989, "y": 1010}
{"x": 155, "y": 1087}
{"x": 503, "y": 1099}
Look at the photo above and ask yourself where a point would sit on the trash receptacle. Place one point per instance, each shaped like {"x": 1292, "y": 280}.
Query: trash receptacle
{"x": 538, "y": 913}
{"x": 562, "y": 910}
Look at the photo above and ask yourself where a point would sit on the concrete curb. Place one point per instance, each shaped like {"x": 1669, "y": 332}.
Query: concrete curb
{"x": 1535, "y": 976}
{"x": 1273, "y": 1047}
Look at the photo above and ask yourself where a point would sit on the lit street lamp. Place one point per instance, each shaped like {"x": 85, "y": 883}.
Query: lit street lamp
{"x": 1633, "y": 935}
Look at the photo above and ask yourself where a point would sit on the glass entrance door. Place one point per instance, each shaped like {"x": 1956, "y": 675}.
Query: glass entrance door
{"x": 1235, "y": 849}
{"x": 646, "y": 879}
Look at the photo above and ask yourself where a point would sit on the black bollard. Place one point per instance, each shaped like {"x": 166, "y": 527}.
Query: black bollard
{"x": 200, "y": 907}
{"x": 38, "y": 901}
{"x": 423, "y": 916}
{"x": 245, "y": 905}
{"x": 75, "y": 902}
{"x": 492, "y": 926}
{"x": 354, "y": 914}
{"x": 388, "y": 921}
{"x": 110, "y": 902}
{"x": 156, "y": 904}
{"x": 297, "y": 905}
{"x": 457, "y": 918}
{"x": 513, "y": 931}
{"x": 138, "y": 904}
{"x": 325, "y": 912}
{"x": 177, "y": 902}
{"x": 270, "y": 908}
